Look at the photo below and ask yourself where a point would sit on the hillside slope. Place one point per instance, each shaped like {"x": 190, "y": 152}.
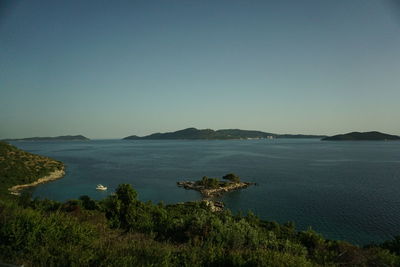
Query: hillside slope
{"x": 21, "y": 167}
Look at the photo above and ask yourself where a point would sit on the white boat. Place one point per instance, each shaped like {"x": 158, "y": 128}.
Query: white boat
{"x": 101, "y": 187}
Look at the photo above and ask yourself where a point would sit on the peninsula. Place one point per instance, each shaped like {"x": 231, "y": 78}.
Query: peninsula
{"x": 212, "y": 187}
{"x": 56, "y": 138}
{"x": 209, "y": 134}
{"x": 362, "y": 136}
{"x": 20, "y": 169}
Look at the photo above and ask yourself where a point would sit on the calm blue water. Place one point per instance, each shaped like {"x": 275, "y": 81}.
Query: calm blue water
{"x": 345, "y": 190}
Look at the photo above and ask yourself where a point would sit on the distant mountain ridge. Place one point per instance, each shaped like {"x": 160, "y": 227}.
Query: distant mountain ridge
{"x": 362, "y": 136}
{"x": 56, "y": 138}
{"x": 209, "y": 134}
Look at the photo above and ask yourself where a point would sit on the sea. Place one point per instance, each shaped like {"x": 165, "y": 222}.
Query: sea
{"x": 343, "y": 190}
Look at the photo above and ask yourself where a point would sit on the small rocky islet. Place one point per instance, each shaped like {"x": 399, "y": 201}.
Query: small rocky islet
{"x": 213, "y": 187}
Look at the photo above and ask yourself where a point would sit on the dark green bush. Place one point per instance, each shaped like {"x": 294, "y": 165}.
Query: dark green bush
{"x": 232, "y": 177}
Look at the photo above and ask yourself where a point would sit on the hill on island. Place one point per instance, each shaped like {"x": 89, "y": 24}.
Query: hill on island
{"x": 57, "y": 138}
{"x": 364, "y": 136}
{"x": 209, "y": 134}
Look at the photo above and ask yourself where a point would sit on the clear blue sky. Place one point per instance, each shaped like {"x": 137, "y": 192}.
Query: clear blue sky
{"x": 109, "y": 69}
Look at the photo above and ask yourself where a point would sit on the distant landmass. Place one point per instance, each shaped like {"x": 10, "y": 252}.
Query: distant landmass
{"x": 300, "y": 136}
{"x": 57, "y": 138}
{"x": 365, "y": 136}
{"x": 209, "y": 134}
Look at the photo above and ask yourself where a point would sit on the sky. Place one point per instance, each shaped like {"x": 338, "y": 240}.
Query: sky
{"x": 110, "y": 69}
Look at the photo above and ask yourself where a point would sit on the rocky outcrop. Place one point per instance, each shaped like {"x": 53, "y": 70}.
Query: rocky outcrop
{"x": 215, "y": 206}
{"x": 213, "y": 192}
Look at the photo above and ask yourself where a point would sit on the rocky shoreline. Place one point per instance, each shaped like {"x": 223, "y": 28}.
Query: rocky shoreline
{"x": 213, "y": 192}
{"x": 57, "y": 174}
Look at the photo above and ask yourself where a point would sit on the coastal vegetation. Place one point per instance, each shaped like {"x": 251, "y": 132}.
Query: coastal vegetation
{"x": 209, "y": 134}
{"x": 121, "y": 230}
{"x": 365, "y": 136}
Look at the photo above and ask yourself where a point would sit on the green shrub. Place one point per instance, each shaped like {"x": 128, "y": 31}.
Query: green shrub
{"x": 232, "y": 177}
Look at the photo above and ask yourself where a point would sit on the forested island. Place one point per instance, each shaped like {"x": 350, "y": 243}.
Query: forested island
{"x": 211, "y": 187}
{"x": 209, "y": 134}
{"x": 121, "y": 230}
{"x": 56, "y": 138}
{"x": 362, "y": 136}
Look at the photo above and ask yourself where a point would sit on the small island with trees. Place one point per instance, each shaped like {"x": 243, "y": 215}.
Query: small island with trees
{"x": 211, "y": 187}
